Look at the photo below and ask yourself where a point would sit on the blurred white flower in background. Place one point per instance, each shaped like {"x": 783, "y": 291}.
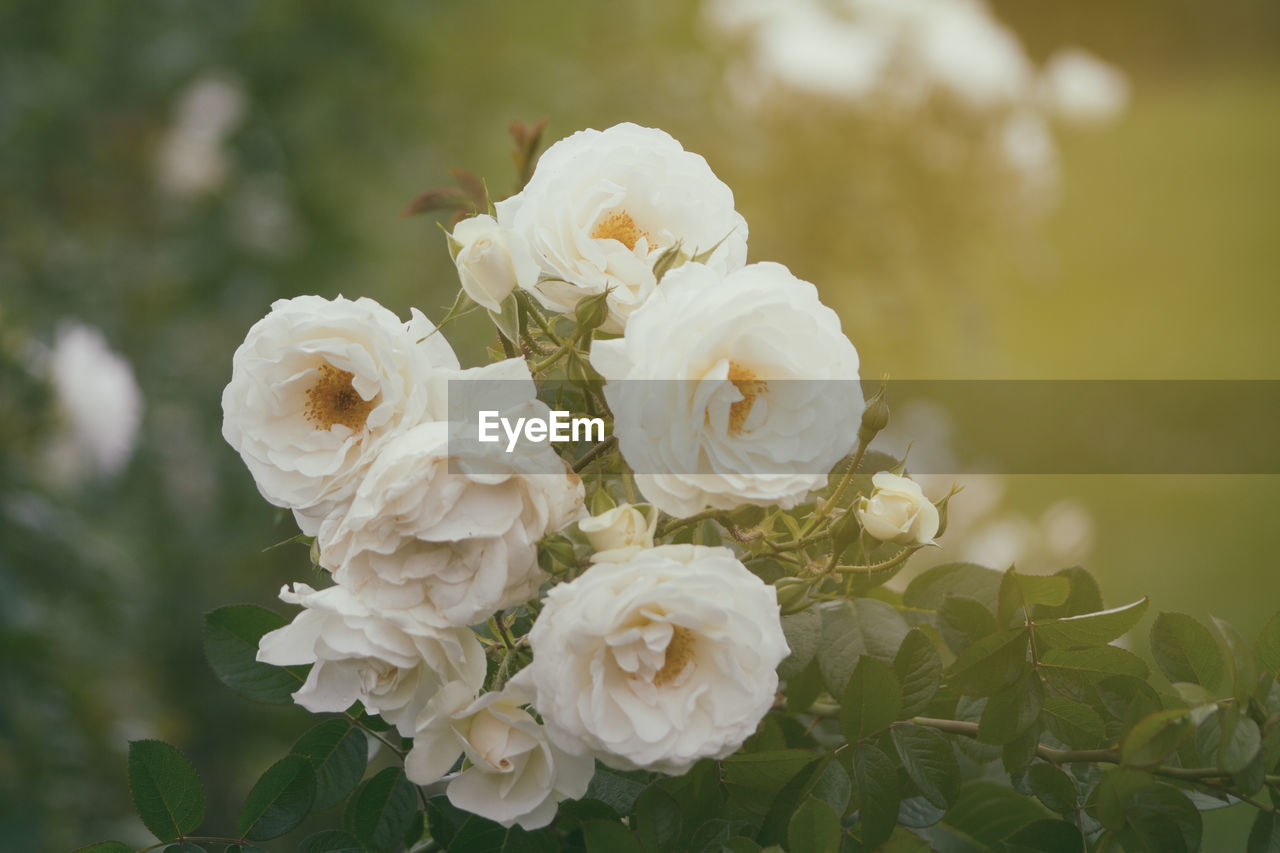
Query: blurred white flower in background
{"x": 99, "y": 405}
{"x": 888, "y": 59}
{"x": 192, "y": 160}
{"x": 1078, "y": 87}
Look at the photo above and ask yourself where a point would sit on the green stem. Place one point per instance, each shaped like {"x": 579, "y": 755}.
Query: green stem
{"x": 673, "y": 524}
{"x": 819, "y": 515}
{"x": 895, "y": 560}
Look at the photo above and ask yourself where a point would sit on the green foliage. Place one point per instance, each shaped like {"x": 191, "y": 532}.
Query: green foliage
{"x": 338, "y": 752}
{"x": 279, "y": 801}
{"x": 231, "y": 636}
{"x": 166, "y": 790}
{"x": 382, "y": 809}
{"x": 1185, "y": 650}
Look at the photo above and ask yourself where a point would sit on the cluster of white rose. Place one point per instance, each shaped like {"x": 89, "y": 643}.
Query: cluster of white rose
{"x": 902, "y": 57}
{"x": 652, "y": 657}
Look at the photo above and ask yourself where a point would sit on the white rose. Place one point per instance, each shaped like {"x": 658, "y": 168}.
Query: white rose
{"x": 515, "y": 775}
{"x": 491, "y": 260}
{"x": 602, "y": 206}
{"x": 658, "y": 661}
{"x": 619, "y": 532}
{"x": 99, "y": 405}
{"x": 453, "y": 545}
{"x": 1079, "y": 87}
{"x": 731, "y": 389}
{"x": 898, "y": 511}
{"x": 389, "y": 662}
{"x": 319, "y": 386}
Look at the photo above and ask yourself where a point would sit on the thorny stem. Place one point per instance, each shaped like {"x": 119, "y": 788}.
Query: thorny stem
{"x": 673, "y": 524}
{"x": 595, "y": 453}
{"x": 819, "y": 515}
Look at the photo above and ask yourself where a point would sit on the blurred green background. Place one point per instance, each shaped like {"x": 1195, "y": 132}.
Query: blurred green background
{"x": 1161, "y": 259}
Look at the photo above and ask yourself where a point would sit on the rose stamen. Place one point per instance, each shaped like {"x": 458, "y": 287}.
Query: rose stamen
{"x": 678, "y": 653}
{"x": 334, "y": 400}
{"x": 747, "y": 383}
{"x": 618, "y": 225}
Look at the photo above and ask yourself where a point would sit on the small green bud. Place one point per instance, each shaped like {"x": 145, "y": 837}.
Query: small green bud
{"x": 315, "y": 552}
{"x": 556, "y": 551}
{"x": 875, "y": 417}
{"x": 793, "y": 595}
{"x": 591, "y": 312}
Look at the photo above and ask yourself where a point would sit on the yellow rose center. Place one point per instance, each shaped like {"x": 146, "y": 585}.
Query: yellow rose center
{"x": 750, "y": 387}
{"x": 618, "y": 225}
{"x": 677, "y": 655}
{"x": 333, "y": 400}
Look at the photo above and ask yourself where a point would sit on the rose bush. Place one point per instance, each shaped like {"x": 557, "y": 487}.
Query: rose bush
{"x": 725, "y": 670}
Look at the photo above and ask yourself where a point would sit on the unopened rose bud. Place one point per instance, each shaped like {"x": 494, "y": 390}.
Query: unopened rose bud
{"x": 793, "y": 595}
{"x": 591, "y": 312}
{"x": 898, "y": 511}
{"x": 492, "y": 261}
{"x": 875, "y": 417}
{"x": 623, "y": 527}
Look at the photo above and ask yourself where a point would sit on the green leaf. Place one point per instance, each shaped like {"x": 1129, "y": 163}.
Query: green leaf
{"x": 814, "y": 828}
{"x": 1185, "y": 650}
{"x": 1155, "y": 736}
{"x": 1267, "y": 647}
{"x": 1046, "y": 836}
{"x": 742, "y": 844}
{"x": 1011, "y": 711}
{"x": 380, "y": 811}
{"x": 803, "y": 631}
{"x": 1241, "y": 741}
{"x": 105, "y": 847}
{"x": 929, "y": 761}
{"x": 1264, "y": 835}
{"x": 1243, "y": 668}
{"x": 338, "y": 753}
{"x": 166, "y": 789}
{"x": 1113, "y": 792}
{"x": 990, "y": 812}
{"x": 876, "y": 778}
{"x": 231, "y": 636}
{"x": 1127, "y": 699}
{"x": 1053, "y": 787}
{"x": 754, "y": 779}
{"x": 872, "y": 699}
{"x": 1164, "y": 819}
{"x": 963, "y": 621}
{"x": 1085, "y": 596}
{"x": 330, "y": 841}
{"x": 803, "y": 689}
{"x": 774, "y": 828}
{"x": 1023, "y": 592}
{"x": 609, "y": 836}
{"x": 616, "y": 788}
{"x": 865, "y": 626}
{"x": 1019, "y": 752}
{"x": 925, "y": 594}
{"x": 990, "y": 664}
{"x": 657, "y": 820}
{"x": 279, "y": 800}
{"x": 1073, "y": 723}
{"x": 1090, "y": 629}
{"x": 1073, "y": 671}
{"x": 834, "y": 787}
{"x": 918, "y": 667}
